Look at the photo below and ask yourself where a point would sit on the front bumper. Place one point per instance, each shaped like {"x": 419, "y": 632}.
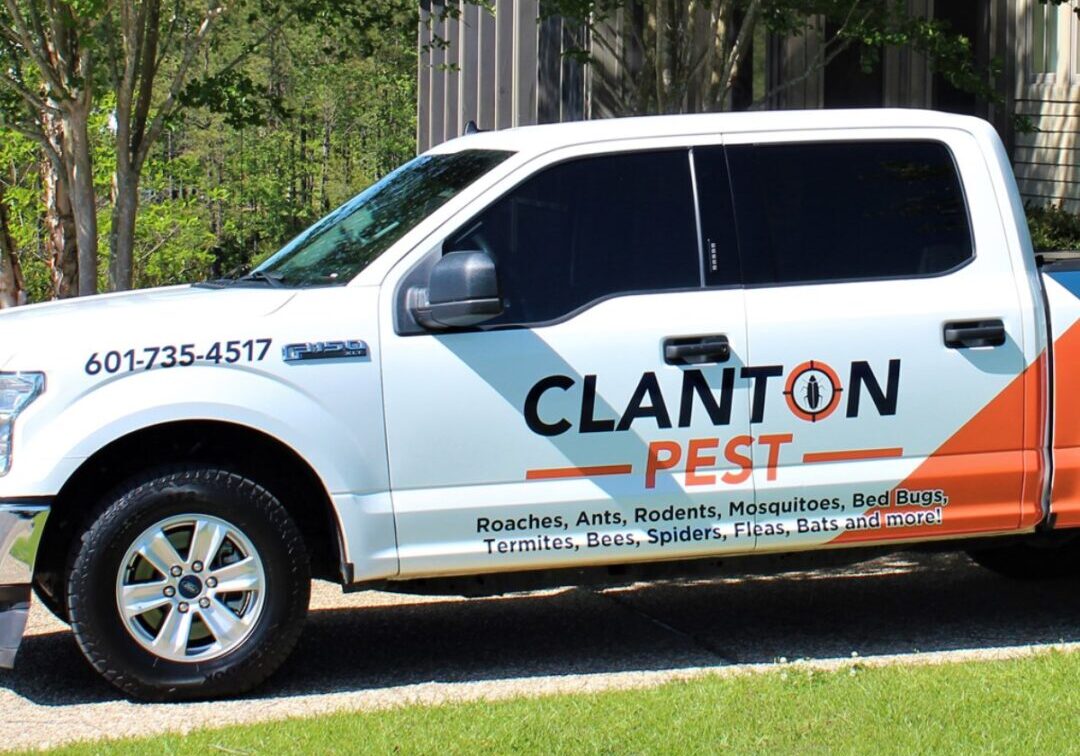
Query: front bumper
{"x": 20, "y": 530}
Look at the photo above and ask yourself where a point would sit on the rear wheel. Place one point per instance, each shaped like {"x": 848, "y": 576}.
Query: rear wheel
{"x": 188, "y": 583}
{"x": 1032, "y": 560}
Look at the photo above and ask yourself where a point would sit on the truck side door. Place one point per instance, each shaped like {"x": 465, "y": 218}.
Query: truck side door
{"x": 885, "y": 330}
{"x": 563, "y": 431}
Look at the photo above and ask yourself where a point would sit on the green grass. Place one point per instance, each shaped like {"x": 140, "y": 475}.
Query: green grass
{"x": 1023, "y": 706}
{"x": 25, "y": 547}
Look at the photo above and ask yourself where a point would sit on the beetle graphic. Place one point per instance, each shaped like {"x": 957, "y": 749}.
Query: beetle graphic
{"x": 812, "y": 393}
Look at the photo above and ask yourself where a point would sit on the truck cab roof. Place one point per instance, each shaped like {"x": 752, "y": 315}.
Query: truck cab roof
{"x": 542, "y": 138}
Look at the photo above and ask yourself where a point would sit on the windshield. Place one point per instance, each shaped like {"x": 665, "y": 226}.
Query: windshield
{"x": 339, "y": 246}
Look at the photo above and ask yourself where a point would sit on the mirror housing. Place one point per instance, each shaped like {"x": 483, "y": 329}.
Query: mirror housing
{"x": 462, "y": 291}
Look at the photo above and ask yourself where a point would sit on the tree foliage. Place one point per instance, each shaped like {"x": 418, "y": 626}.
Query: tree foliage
{"x": 179, "y": 139}
{"x": 293, "y": 108}
{"x": 151, "y": 61}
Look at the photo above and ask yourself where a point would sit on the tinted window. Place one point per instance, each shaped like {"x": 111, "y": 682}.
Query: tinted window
{"x": 834, "y": 211}
{"x": 588, "y": 228}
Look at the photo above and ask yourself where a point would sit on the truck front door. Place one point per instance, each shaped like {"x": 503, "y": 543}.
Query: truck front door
{"x": 601, "y": 417}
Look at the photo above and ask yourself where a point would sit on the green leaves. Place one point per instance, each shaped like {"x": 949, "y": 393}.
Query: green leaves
{"x": 288, "y": 109}
{"x": 1053, "y": 228}
{"x": 235, "y": 95}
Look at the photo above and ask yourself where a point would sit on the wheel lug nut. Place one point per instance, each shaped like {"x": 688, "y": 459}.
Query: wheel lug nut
{"x": 183, "y": 608}
{"x": 204, "y": 603}
{"x": 211, "y": 582}
{"x": 197, "y": 566}
{"x": 170, "y": 592}
{"x": 176, "y": 572}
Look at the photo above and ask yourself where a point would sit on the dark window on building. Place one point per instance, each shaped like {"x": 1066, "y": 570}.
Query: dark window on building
{"x": 971, "y": 20}
{"x": 589, "y": 228}
{"x": 855, "y": 78}
{"x": 841, "y": 211}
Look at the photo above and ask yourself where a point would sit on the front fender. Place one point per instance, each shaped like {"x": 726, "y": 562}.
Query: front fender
{"x": 69, "y": 423}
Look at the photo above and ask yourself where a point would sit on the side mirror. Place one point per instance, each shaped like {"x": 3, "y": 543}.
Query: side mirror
{"x": 462, "y": 291}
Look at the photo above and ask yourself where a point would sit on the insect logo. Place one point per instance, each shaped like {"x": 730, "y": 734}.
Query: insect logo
{"x": 812, "y": 391}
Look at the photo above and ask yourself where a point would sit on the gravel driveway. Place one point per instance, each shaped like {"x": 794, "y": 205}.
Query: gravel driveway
{"x": 370, "y": 650}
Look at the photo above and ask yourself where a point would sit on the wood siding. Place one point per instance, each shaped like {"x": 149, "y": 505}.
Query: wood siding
{"x": 1046, "y": 158}
{"x": 500, "y": 70}
{"x": 511, "y": 68}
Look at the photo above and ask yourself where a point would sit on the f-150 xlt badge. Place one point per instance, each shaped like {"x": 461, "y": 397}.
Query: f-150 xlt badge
{"x": 324, "y": 350}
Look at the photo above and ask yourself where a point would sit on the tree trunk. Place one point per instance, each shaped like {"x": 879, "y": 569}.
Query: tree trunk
{"x": 305, "y": 166}
{"x": 294, "y": 192}
{"x": 324, "y": 194}
{"x": 12, "y": 287}
{"x": 122, "y": 236}
{"x": 62, "y": 252}
{"x": 79, "y": 165}
{"x": 60, "y": 245}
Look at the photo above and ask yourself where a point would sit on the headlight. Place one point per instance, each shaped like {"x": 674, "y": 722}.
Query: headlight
{"x": 17, "y": 390}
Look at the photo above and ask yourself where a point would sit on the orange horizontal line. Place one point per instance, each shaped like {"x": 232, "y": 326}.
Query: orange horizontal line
{"x": 840, "y": 456}
{"x": 578, "y": 472}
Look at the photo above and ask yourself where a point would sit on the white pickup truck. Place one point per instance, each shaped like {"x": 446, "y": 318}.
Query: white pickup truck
{"x": 603, "y": 351}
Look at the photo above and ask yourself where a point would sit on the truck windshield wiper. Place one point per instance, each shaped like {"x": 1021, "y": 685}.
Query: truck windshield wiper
{"x": 273, "y": 279}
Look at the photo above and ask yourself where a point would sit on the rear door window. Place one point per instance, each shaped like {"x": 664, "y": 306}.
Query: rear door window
{"x": 836, "y": 211}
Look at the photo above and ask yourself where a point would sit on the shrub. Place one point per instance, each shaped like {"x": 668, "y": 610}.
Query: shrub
{"x": 1053, "y": 227}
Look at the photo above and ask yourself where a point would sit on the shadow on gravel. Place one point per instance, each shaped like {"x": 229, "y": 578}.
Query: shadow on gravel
{"x": 897, "y": 605}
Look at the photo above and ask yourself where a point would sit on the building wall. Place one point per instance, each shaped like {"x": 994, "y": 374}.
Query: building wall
{"x": 506, "y": 70}
{"x": 500, "y": 70}
{"x": 1047, "y": 159}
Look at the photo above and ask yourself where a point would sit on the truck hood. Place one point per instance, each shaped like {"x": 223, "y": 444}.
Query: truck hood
{"x": 127, "y": 315}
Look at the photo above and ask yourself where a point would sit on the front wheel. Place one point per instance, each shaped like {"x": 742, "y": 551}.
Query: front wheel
{"x": 188, "y": 583}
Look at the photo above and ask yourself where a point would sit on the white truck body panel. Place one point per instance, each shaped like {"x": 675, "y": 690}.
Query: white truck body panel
{"x": 424, "y": 437}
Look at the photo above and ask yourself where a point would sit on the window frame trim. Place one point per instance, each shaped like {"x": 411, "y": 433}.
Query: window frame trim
{"x": 696, "y": 197}
{"x": 732, "y": 237}
{"x": 1074, "y": 50}
{"x": 1044, "y": 78}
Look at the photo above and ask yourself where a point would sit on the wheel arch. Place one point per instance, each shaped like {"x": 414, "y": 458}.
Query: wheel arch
{"x": 246, "y": 450}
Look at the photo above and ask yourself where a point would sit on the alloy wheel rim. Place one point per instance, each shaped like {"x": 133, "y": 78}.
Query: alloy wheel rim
{"x": 191, "y": 588}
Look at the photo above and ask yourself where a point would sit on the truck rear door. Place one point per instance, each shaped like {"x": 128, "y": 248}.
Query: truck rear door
{"x": 884, "y": 335}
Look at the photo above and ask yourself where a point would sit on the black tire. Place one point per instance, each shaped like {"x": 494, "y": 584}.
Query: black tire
{"x": 95, "y": 564}
{"x": 1031, "y": 561}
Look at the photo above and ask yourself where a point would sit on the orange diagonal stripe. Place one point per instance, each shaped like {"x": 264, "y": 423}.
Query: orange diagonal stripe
{"x": 578, "y": 472}
{"x": 841, "y": 456}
